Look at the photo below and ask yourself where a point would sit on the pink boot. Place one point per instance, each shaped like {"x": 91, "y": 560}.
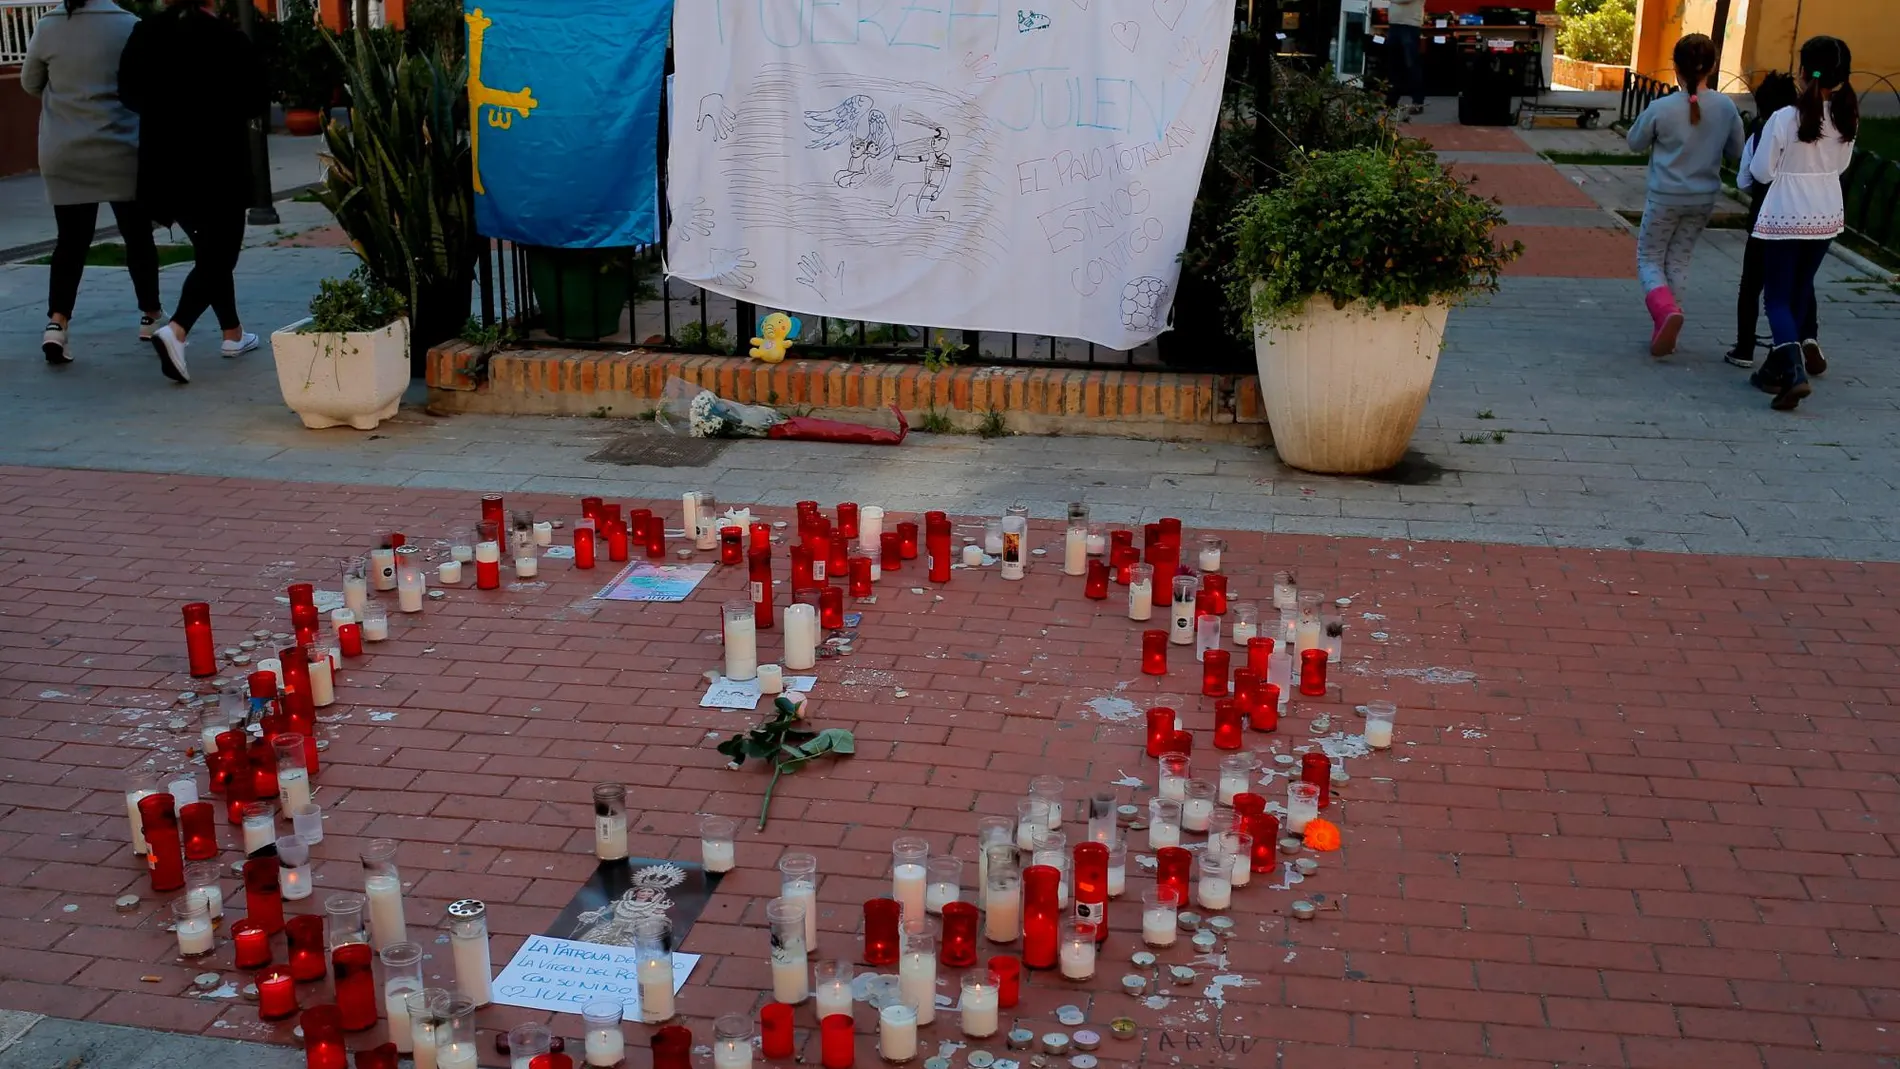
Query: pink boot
{"x": 1668, "y": 318}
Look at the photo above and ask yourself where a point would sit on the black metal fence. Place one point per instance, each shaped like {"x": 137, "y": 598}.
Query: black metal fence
{"x": 618, "y": 299}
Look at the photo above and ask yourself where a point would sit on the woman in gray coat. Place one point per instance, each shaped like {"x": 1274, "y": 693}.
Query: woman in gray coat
{"x": 89, "y": 154}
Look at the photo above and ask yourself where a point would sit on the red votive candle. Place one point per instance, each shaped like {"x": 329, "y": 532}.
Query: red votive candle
{"x": 1120, "y": 560}
{"x": 637, "y": 522}
{"x": 276, "y": 994}
{"x": 295, "y": 665}
{"x": 1096, "y": 585}
{"x": 1265, "y": 829}
{"x": 860, "y": 577}
{"x": 1258, "y": 652}
{"x": 1008, "y": 970}
{"x": 1091, "y": 887}
{"x": 759, "y": 572}
{"x": 200, "y": 651}
{"x": 198, "y": 823}
{"x": 1042, "y": 885}
{"x": 1154, "y": 653}
{"x": 1266, "y": 712}
{"x": 1120, "y": 538}
{"x": 880, "y": 931}
{"x": 1150, "y": 537}
{"x": 492, "y": 509}
{"x": 1171, "y": 870}
{"x": 167, "y": 856}
{"x": 590, "y": 508}
{"x": 1161, "y": 725}
{"x": 1317, "y": 769}
{"x": 1214, "y": 674}
{"x": 349, "y": 639}
{"x": 383, "y": 1057}
{"x": 807, "y": 512}
{"x": 237, "y": 770}
{"x": 304, "y": 934}
{"x": 617, "y": 538}
{"x": 656, "y": 538}
{"x": 937, "y": 542}
{"x": 610, "y": 512}
{"x": 890, "y": 551}
{"x": 302, "y": 595}
{"x": 801, "y": 567}
{"x": 848, "y": 519}
{"x": 831, "y": 608}
{"x": 959, "y": 935}
{"x": 251, "y": 944}
{"x": 907, "y": 541}
{"x": 323, "y": 1038}
{"x": 1214, "y": 585}
{"x": 1245, "y": 694}
{"x": 1227, "y": 724}
{"x": 1313, "y": 673}
{"x": 732, "y": 545}
{"x": 838, "y": 557}
{"x": 775, "y": 1030}
{"x": 1181, "y": 742}
{"x": 263, "y": 897}
{"x": 355, "y": 985}
{"x": 583, "y": 546}
{"x": 761, "y": 537}
{"x": 837, "y": 1042}
{"x": 673, "y": 1047}
{"x": 1171, "y": 529}
{"x": 263, "y": 769}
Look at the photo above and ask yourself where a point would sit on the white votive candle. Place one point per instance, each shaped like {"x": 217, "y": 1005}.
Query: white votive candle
{"x": 1117, "y": 877}
{"x": 907, "y": 886}
{"x": 527, "y": 567}
{"x": 1157, "y": 927}
{"x": 1160, "y": 835}
{"x": 1244, "y": 632}
{"x": 742, "y": 645}
{"x": 1078, "y": 959}
{"x": 1232, "y": 782}
{"x": 973, "y": 555}
{"x": 260, "y": 831}
{"x": 716, "y": 855}
{"x": 1210, "y": 559}
{"x": 375, "y": 628}
{"x": 980, "y": 1010}
{"x": 194, "y": 936}
{"x": 1075, "y": 552}
{"x": 870, "y": 530}
{"x": 409, "y": 597}
{"x": 1098, "y": 544}
{"x": 543, "y": 533}
{"x": 656, "y": 990}
{"x": 1215, "y": 894}
{"x": 1002, "y": 915}
{"x": 897, "y": 1033}
{"x": 1194, "y": 813}
{"x": 1379, "y": 734}
{"x": 386, "y": 922}
{"x": 732, "y": 1053}
{"x": 1243, "y": 870}
{"x": 293, "y": 788}
{"x": 355, "y": 593}
{"x": 322, "y": 682}
{"x": 940, "y": 894}
{"x": 396, "y": 1007}
{"x": 606, "y": 1047}
{"x": 771, "y": 679}
{"x": 457, "y": 1056}
{"x": 449, "y": 572}
{"x": 917, "y": 980}
{"x": 213, "y": 897}
{"x": 834, "y": 997}
{"x": 1141, "y": 599}
{"x": 791, "y": 975}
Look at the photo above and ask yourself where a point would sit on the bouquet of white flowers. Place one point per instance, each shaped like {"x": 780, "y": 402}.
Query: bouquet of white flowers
{"x": 701, "y": 413}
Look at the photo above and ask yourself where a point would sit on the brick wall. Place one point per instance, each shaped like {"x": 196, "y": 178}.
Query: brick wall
{"x": 19, "y": 126}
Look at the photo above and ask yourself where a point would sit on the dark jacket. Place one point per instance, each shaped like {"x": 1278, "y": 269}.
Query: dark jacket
{"x": 196, "y": 84}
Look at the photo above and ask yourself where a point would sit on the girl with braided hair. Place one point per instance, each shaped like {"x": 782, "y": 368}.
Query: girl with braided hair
{"x": 1687, "y": 136}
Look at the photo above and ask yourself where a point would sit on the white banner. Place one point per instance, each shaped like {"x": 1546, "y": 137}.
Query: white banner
{"x": 1001, "y": 165}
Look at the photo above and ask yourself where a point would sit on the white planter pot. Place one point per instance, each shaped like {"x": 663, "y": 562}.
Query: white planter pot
{"x": 1344, "y": 389}
{"x": 332, "y": 380}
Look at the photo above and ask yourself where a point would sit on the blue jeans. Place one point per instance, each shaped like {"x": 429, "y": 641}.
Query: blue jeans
{"x": 1406, "y": 68}
{"x": 1788, "y": 269}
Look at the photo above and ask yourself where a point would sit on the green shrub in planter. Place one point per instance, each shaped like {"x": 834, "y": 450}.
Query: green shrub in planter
{"x": 1380, "y": 227}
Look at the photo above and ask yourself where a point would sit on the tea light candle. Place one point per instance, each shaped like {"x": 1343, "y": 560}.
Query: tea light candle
{"x": 449, "y": 572}
{"x": 973, "y": 555}
{"x": 897, "y": 1033}
{"x": 543, "y": 533}
{"x": 771, "y": 679}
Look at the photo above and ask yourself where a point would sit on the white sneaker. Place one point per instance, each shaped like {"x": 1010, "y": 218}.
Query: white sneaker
{"x": 171, "y": 353}
{"x": 146, "y": 326}
{"x": 53, "y": 344}
{"x": 243, "y": 345}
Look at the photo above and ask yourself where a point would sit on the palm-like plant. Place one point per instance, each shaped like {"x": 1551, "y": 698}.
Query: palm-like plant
{"x": 399, "y": 180}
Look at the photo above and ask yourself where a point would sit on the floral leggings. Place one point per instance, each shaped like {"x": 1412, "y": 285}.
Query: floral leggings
{"x": 1667, "y": 241}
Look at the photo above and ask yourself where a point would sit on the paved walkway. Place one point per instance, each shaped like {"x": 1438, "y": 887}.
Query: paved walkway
{"x": 1641, "y": 812}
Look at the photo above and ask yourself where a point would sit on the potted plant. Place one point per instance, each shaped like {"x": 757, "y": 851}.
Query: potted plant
{"x": 348, "y": 361}
{"x": 581, "y": 292}
{"x": 307, "y": 71}
{"x": 1345, "y": 275}
{"x": 399, "y": 183}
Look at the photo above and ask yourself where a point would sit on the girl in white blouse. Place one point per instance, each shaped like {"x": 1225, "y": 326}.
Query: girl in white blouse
{"x": 1803, "y": 151}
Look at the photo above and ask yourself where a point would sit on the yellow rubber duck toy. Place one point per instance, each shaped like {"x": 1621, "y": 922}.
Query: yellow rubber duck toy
{"x": 775, "y": 345}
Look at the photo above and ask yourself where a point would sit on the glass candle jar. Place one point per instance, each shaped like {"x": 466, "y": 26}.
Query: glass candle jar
{"x": 897, "y": 1032}
{"x": 1229, "y": 725}
{"x": 1181, "y": 631}
{"x": 197, "y": 822}
{"x": 1095, "y": 587}
{"x": 1214, "y": 669}
{"x": 798, "y": 882}
{"x": 610, "y": 822}
{"x": 759, "y": 571}
{"x": 1075, "y": 548}
{"x": 1141, "y": 591}
{"x": 1158, "y": 908}
{"x": 833, "y": 987}
{"x": 488, "y": 558}
{"x": 1209, "y": 554}
{"x": 1002, "y": 894}
{"x": 382, "y": 883}
{"x": 979, "y": 1005}
{"x": 1032, "y": 822}
{"x": 428, "y": 1025}
{"x": 1215, "y": 889}
{"x": 653, "y": 963}
{"x": 705, "y": 529}
{"x": 1052, "y": 849}
{"x": 375, "y": 623}
{"x": 943, "y": 882}
{"x": 717, "y": 850}
{"x": 202, "y": 882}
{"x": 882, "y": 917}
{"x": 293, "y": 775}
{"x": 260, "y": 826}
{"x": 1078, "y": 949}
{"x": 356, "y": 584}
{"x": 263, "y": 896}
{"x": 742, "y": 640}
{"x": 1236, "y": 776}
{"x": 1302, "y": 806}
{"x": 991, "y": 829}
{"x": 585, "y": 545}
{"x": 1197, "y": 805}
{"x": 1008, "y": 970}
{"x": 410, "y": 582}
{"x": 1164, "y": 823}
{"x": 1241, "y": 857}
{"x": 732, "y": 1042}
{"x": 959, "y": 935}
{"x": 1161, "y": 724}
{"x": 343, "y": 919}
{"x": 837, "y": 1042}
{"x": 791, "y": 982}
{"x": 468, "y": 940}
{"x": 907, "y": 547}
{"x": 352, "y": 968}
{"x": 910, "y": 875}
{"x": 1173, "y": 865}
{"x": 860, "y": 577}
{"x": 917, "y": 968}
{"x": 526, "y": 1042}
{"x": 307, "y": 823}
{"x": 1175, "y": 771}
{"x": 1313, "y": 673}
{"x": 1015, "y": 558}
{"x": 1117, "y": 869}
{"x": 1103, "y": 825}
{"x": 201, "y": 652}
{"x": 890, "y": 552}
{"x": 731, "y": 544}
{"x": 276, "y": 994}
{"x": 604, "y": 1044}
{"x": 321, "y": 1027}
{"x": 460, "y": 1050}
{"x": 308, "y": 959}
{"x": 615, "y": 533}
{"x": 251, "y": 947}
{"x": 402, "y": 977}
{"x": 191, "y": 922}
{"x": 1286, "y": 591}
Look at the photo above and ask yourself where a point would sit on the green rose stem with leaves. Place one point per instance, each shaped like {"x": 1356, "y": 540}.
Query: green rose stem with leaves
{"x": 780, "y": 741}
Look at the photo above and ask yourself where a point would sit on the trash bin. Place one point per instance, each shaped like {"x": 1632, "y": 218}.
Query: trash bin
{"x": 1488, "y": 85}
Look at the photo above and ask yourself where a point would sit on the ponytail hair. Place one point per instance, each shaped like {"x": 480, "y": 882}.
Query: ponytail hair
{"x": 1695, "y": 61}
{"x": 1826, "y": 63}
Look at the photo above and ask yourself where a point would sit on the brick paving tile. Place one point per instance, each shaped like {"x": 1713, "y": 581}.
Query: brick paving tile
{"x": 1642, "y": 811}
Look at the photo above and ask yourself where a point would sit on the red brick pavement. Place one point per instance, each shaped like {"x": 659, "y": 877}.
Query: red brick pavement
{"x": 1658, "y": 828}
{"x": 1570, "y": 251}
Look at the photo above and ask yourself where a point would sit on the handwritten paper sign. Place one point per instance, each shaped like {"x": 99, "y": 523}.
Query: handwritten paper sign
{"x": 641, "y": 581}
{"x": 562, "y": 975}
{"x": 726, "y": 693}
{"x": 978, "y": 165}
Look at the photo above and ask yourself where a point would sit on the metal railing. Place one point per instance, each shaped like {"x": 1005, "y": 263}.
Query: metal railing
{"x": 1871, "y": 190}
{"x": 1639, "y": 92}
{"x": 17, "y": 20}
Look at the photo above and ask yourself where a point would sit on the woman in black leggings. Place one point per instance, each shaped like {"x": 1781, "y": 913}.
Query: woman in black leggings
{"x": 197, "y": 85}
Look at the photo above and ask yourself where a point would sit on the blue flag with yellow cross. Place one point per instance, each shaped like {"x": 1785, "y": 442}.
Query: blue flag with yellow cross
{"x": 564, "y": 102}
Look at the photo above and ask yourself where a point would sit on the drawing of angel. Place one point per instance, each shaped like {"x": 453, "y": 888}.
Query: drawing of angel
{"x": 613, "y": 924}
{"x": 856, "y": 122}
